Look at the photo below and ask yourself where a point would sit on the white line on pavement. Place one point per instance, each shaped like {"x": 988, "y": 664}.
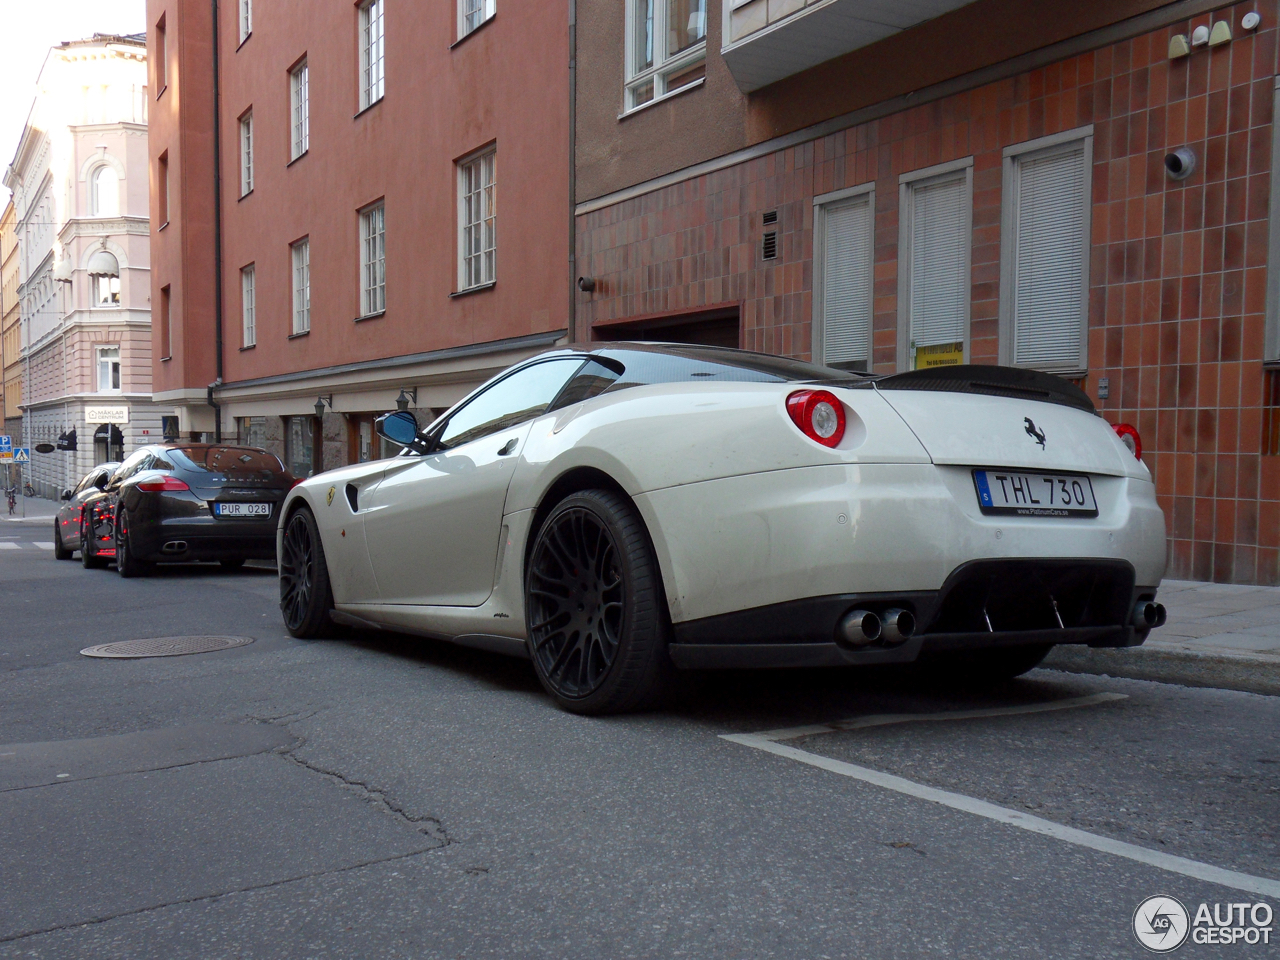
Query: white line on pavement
{"x": 883, "y": 719}
{"x": 43, "y": 545}
{"x": 958, "y": 801}
{"x": 8, "y": 546}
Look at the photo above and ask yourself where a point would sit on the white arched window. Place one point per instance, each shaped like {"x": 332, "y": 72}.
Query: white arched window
{"x": 104, "y": 193}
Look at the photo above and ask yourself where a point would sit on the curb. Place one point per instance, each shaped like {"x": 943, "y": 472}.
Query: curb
{"x": 1250, "y": 674}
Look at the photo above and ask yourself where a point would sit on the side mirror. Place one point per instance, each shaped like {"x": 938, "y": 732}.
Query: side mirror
{"x": 66, "y": 494}
{"x": 401, "y": 427}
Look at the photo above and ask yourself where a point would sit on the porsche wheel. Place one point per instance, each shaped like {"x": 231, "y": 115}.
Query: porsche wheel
{"x": 598, "y": 625}
{"x": 305, "y": 595}
{"x": 89, "y": 559}
{"x": 60, "y": 551}
{"x": 127, "y": 563}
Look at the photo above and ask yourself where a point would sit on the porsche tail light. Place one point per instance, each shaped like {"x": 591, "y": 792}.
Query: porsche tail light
{"x": 1128, "y": 435}
{"x": 163, "y": 484}
{"x": 818, "y": 414}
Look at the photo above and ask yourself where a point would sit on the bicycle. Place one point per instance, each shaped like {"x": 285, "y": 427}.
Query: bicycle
{"x": 28, "y": 490}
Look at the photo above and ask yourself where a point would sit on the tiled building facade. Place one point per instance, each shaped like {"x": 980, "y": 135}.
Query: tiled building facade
{"x": 1177, "y": 269}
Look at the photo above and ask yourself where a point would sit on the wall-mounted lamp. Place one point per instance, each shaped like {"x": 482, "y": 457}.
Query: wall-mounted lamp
{"x": 586, "y": 284}
{"x": 406, "y": 398}
{"x": 1180, "y": 164}
{"x": 1250, "y": 21}
{"x": 1179, "y": 46}
{"x": 320, "y": 402}
{"x": 1220, "y": 34}
{"x": 1200, "y": 36}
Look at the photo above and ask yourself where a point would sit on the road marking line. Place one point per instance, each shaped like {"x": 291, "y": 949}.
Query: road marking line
{"x": 42, "y": 545}
{"x": 958, "y": 801}
{"x": 884, "y": 719}
{"x": 8, "y": 546}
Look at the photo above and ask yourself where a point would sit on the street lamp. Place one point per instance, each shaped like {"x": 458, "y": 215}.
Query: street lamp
{"x": 403, "y": 401}
{"x": 320, "y": 402}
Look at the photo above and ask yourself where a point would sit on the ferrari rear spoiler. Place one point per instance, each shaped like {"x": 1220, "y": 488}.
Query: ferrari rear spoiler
{"x": 993, "y": 381}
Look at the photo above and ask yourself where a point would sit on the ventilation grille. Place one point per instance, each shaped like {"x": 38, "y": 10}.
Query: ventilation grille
{"x": 769, "y": 249}
{"x": 771, "y": 216}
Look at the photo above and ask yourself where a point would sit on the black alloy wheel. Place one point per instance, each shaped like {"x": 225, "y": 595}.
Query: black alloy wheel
{"x": 60, "y": 551}
{"x": 127, "y": 564}
{"x": 306, "y": 598}
{"x": 598, "y": 625}
{"x": 89, "y": 558}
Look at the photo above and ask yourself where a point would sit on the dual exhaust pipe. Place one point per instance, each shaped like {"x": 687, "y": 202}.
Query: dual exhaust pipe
{"x": 1147, "y": 614}
{"x": 174, "y": 546}
{"x": 862, "y": 628}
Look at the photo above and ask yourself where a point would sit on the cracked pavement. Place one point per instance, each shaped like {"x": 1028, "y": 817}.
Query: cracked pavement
{"x": 382, "y": 796}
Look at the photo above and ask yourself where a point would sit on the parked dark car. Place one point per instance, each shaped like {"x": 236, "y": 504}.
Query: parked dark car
{"x": 185, "y": 502}
{"x": 70, "y": 517}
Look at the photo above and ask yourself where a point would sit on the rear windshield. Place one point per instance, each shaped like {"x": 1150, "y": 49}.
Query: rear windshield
{"x": 690, "y": 364}
{"x": 226, "y": 460}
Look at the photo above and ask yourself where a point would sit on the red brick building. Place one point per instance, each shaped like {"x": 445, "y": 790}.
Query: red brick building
{"x": 985, "y": 185}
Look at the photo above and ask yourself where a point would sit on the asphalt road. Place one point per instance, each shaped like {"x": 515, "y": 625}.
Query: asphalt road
{"x": 382, "y": 796}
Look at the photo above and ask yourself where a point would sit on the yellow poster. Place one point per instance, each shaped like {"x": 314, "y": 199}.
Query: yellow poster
{"x": 939, "y": 355}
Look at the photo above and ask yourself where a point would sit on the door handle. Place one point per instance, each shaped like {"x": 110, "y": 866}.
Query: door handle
{"x": 507, "y": 447}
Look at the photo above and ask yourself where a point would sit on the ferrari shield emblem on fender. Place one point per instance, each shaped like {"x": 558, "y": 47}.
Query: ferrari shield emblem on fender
{"x": 329, "y": 499}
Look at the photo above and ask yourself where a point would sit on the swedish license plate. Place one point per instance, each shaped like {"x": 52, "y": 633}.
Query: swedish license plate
{"x": 242, "y": 509}
{"x": 1020, "y": 494}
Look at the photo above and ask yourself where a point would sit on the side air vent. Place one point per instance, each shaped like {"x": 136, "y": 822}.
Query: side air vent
{"x": 769, "y": 249}
{"x": 353, "y": 497}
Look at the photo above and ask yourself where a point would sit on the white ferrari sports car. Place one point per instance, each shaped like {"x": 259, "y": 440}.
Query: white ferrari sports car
{"x": 621, "y": 510}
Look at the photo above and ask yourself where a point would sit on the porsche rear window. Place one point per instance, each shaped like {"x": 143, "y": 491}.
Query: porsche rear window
{"x": 693, "y": 364}
{"x": 215, "y": 459}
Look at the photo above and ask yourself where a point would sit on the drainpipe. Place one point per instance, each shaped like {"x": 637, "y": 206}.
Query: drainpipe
{"x": 573, "y": 169}
{"x": 217, "y": 233}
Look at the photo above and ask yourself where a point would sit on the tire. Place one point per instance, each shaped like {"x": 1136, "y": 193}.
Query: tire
{"x": 985, "y": 667}
{"x": 232, "y": 564}
{"x": 306, "y": 598}
{"x": 60, "y": 552}
{"x": 596, "y": 614}
{"x": 89, "y": 559}
{"x": 127, "y": 564}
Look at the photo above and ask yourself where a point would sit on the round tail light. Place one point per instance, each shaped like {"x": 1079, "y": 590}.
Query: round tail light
{"x": 159, "y": 484}
{"x": 818, "y": 414}
{"x": 1129, "y": 436}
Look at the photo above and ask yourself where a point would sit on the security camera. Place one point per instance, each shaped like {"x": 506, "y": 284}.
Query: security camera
{"x": 1180, "y": 164}
{"x": 586, "y": 284}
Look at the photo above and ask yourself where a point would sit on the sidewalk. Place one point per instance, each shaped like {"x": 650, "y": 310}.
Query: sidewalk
{"x": 1218, "y": 635}
{"x": 37, "y": 509}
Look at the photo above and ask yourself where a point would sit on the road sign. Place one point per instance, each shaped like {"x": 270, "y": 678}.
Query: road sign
{"x": 21, "y": 454}
{"x": 6, "y": 444}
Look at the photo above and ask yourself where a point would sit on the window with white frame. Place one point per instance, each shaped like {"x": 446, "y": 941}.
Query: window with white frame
{"x": 300, "y": 107}
{"x": 301, "y": 252}
{"x": 106, "y": 290}
{"x": 104, "y": 192}
{"x": 248, "y": 306}
{"x": 477, "y": 220}
{"x": 373, "y": 260}
{"x": 843, "y": 228}
{"x": 666, "y": 47}
{"x": 472, "y": 13}
{"x": 108, "y": 369}
{"x": 371, "y": 52}
{"x": 246, "y": 153}
{"x": 246, "y": 19}
{"x": 1044, "y": 289}
{"x": 933, "y": 267}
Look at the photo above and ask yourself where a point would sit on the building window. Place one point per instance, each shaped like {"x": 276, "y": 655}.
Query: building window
{"x": 248, "y": 305}
{"x": 666, "y": 47}
{"x": 472, "y": 13}
{"x": 166, "y": 328}
{"x": 252, "y": 431}
{"x": 246, "y": 153}
{"x": 161, "y": 58}
{"x": 371, "y": 53}
{"x": 299, "y": 445}
{"x": 299, "y": 100}
{"x": 108, "y": 369}
{"x": 104, "y": 192}
{"x": 162, "y": 191}
{"x": 1044, "y": 283}
{"x": 477, "y": 220}
{"x": 843, "y": 235}
{"x": 246, "y": 19}
{"x": 373, "y": 260}
{"x": 935, "y": 224}
{"x": 301, "y": 285}
{"x": 106, "y": 291}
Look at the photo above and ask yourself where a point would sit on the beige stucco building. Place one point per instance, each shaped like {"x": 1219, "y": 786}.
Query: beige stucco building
{"x": 10, "y": 328}
{"x": 79, "y": 180}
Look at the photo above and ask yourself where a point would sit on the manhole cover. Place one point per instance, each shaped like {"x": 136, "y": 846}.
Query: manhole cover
{"x": 164, "y": 646}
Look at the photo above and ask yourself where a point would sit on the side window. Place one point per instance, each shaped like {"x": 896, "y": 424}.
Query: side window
{"x": 521, "y": 396}
{"x": 131, "y": 465}
{"x": 84, "y": 484}
{"x": 593, "y": 379}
